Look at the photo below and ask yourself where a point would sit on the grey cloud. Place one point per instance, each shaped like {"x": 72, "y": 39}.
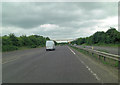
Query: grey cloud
{"x": 28, "y": 15}
{"x": 70, "y": 15}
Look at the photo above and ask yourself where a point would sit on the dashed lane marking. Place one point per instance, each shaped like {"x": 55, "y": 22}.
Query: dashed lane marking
{"x": 10, "y": 60}
{"x": 94, "y": 74}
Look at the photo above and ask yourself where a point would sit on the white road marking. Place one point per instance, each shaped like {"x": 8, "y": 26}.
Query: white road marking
{"x": 71, "y": 50}
{"x": 10, "y": 60}
{"x": 86, "y": 66}
{"x": 92, "y": 72}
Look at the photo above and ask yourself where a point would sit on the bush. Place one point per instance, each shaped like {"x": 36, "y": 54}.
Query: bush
{"x": 111, "y": 36}
{"x": 11, "y": 42}
{"x": 9, "y": 48}
{"x": 33, "y": 46}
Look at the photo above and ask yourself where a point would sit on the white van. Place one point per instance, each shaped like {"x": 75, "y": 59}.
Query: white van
{"x": 50, "y": 45}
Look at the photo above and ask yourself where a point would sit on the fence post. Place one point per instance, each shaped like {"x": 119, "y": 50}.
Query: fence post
{"x": 87, "y": 52}
{"x": 92, "y": 54}
{"x": 104, "y": 58}
{"x": 99, "y": 57}
{"x": 92, "y": 48}
{"x": 119, "y": 65}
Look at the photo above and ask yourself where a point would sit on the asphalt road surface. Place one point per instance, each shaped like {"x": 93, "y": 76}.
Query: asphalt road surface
{"x": 64, "y": 65}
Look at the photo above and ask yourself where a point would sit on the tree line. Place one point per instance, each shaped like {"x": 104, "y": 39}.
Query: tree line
{"x": 11, "y": 42}
{"x": 111, "y": 36}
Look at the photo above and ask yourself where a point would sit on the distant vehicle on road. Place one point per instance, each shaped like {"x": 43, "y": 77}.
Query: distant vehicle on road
{"x": 50, "y": 45}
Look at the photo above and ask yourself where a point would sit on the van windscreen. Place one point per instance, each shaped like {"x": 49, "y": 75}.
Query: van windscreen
{"x": 49, "y": 43}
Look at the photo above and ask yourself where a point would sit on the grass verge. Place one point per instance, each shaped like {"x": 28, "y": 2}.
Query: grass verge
{"x": 21, "y": 48}
{"x": 107, "y": 61}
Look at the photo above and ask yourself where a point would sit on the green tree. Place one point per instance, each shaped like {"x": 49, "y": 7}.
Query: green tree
{"x": 13, "y": 39}
{"x": 47, "y": 38}
{"x": 114, "y": 35}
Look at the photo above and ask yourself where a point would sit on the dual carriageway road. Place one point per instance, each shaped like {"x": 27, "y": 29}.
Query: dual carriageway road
{"x": 64, "y": 65}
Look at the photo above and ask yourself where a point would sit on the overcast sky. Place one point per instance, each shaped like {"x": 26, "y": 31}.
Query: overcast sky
{"x": 58, "y": 20}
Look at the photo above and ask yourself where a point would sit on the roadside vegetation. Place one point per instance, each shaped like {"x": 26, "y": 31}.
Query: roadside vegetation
{"x": 107, "y": 61}
{"x": 63, "y": 43}
{"x": 109, "y": 38}
{"x": 11, "y": 42}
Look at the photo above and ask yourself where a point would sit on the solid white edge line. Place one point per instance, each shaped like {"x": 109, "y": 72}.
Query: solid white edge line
{"x": 94, "y": 74}
{"x": 71, "y": 50}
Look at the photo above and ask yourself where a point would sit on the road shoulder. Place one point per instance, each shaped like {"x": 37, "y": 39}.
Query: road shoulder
{"x": 106, "y": 73}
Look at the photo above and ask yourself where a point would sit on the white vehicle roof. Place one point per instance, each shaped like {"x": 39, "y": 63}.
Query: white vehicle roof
{"x": 49, "y": 43}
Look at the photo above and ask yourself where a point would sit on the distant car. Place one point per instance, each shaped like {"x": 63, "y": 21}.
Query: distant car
{"x": 50, "y": 45}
